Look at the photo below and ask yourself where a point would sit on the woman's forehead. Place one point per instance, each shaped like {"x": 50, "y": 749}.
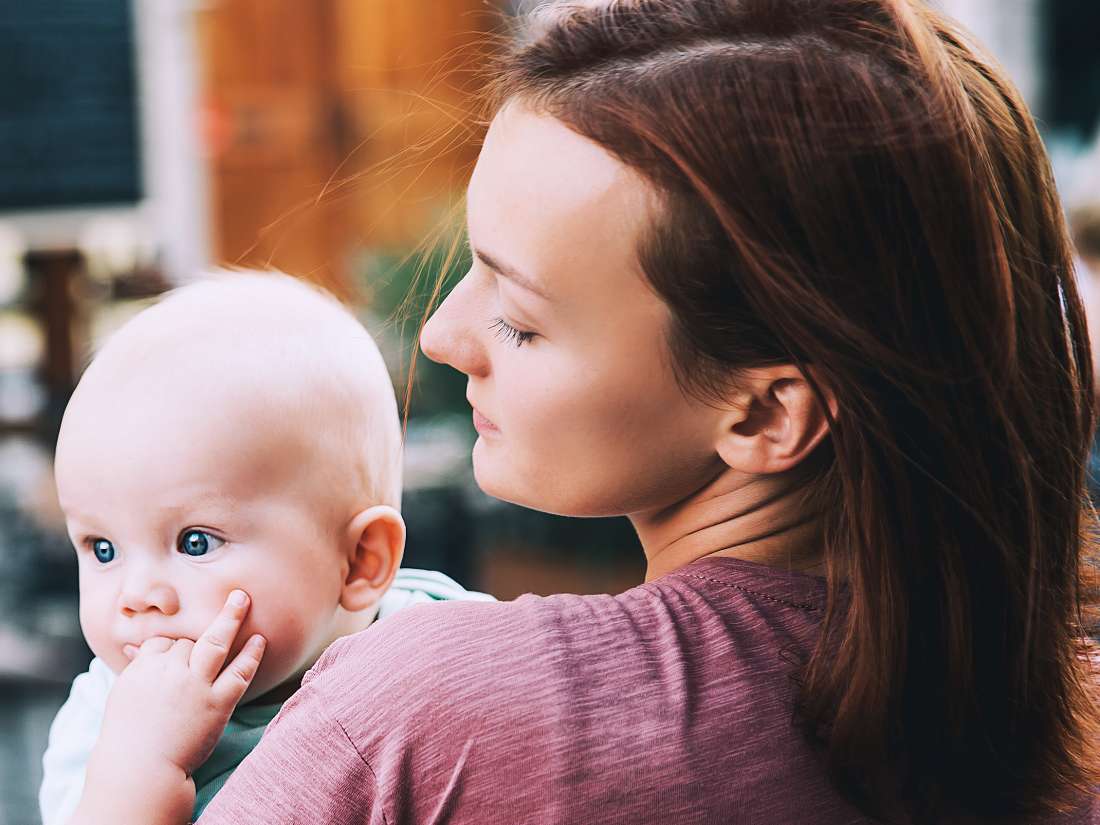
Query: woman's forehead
{"x": 548, "y": 201}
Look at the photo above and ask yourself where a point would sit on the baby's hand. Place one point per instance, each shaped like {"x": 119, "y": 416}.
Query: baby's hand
{"x": 165, "y": 713}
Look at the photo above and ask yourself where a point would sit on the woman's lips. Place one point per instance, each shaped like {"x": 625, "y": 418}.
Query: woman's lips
{"x": 483, "y": 425}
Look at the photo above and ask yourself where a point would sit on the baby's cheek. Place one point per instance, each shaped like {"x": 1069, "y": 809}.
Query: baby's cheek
{"x": 290, "y": 639}
{"x": 293, "y": 609}
{"x": 96, "y": 619}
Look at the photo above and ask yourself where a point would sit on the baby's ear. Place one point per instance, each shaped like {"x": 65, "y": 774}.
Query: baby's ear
{"x": 377, "y": 539}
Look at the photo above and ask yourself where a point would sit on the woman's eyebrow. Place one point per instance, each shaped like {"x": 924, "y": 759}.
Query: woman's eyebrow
{"x": 511, "y": 273}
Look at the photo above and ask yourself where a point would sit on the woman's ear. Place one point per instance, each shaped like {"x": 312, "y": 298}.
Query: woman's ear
{"x": 775, "y": 421}
{"x": 377, "y": 540}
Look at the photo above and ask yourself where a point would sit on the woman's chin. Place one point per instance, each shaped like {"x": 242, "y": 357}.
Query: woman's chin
{"x": 488, "y": 473}
{"x": 497, "y": 478}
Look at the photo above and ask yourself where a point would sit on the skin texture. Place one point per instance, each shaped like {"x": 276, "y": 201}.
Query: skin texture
{"x": 182, "y": 425}
{"x": 586, "y": 417}
{"x": 172, "y": 736}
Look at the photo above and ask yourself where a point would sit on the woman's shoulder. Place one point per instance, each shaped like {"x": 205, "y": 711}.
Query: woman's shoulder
{"x": 470, "y": 653}
{"x": 450, "y": 644}
{"x": 390, "y": 679}
{"x": 459, "y": 636}
{"x": 445, "y": 639}
{"x": 461, "y": 693}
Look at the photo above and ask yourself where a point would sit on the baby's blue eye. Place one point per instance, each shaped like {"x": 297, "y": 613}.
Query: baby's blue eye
{"x": 104, "y": 550}
{"x": 198, "y": 542}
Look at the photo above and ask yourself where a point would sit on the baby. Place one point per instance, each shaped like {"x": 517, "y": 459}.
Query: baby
{"x": 241, "y": 434}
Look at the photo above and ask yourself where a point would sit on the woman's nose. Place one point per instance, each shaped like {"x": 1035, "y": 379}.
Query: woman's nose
{"x": 144, "y": 589}
{"x": 451, "y": 335}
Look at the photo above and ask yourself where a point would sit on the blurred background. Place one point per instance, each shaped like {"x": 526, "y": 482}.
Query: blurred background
{"x": 143, "y": 141}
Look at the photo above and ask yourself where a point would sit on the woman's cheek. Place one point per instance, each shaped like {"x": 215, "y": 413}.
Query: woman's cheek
{"x": 543, "y": 397}
{"x": 554, "y": 431}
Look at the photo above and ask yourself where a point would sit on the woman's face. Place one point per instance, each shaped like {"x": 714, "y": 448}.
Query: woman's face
{"x": 563, "y": 341}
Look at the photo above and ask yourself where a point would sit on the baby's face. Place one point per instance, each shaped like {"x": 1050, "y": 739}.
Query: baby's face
{"x": 171, "y": 507}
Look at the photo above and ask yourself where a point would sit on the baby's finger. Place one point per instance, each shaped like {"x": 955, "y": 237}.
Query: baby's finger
{"x": 154, "y": 644}
{"x": 231, "y": 685}
{"x": 181, "y": 650}
{"x": 211, "y": 648}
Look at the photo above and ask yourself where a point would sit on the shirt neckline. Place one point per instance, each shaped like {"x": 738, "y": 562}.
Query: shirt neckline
{"x": 790, "y": 587}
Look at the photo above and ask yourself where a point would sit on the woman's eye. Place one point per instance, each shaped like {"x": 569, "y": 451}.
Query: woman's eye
{"x": 507, "y": 332}
{"x": 198, "y": 542}
{"x": 104, "y": 550}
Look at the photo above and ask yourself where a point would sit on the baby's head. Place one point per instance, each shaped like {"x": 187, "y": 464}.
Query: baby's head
{"x": 242, "y": 433}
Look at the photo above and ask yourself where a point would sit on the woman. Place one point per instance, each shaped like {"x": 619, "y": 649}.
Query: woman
{"x": 787, "y": 283}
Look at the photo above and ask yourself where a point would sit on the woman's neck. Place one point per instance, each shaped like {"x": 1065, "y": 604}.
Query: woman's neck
{"x": 760, "y": 519}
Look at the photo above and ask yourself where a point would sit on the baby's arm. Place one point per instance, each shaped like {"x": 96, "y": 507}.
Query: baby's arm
{"x": 163, "y": 718}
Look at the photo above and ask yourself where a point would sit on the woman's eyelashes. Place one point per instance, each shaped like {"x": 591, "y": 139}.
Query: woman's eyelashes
{"x": 195, "y": 542}
{"x": 506, "y": 332}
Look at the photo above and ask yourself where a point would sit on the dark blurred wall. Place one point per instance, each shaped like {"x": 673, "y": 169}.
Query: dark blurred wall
{"x": 1071, "y": 49}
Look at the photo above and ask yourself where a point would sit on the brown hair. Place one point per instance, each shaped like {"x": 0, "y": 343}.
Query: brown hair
{"x": 848, "y": 183}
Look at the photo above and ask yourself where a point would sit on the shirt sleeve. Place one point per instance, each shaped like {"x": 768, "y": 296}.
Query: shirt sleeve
{"x": 305, "y": 770}
{"x": 73, "y": 734}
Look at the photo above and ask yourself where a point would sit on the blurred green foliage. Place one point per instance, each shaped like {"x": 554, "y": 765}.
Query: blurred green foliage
{"x": 402, "y": 289}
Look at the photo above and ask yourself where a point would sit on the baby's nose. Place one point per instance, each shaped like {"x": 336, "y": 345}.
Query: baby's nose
{"x": 143, "y": 591}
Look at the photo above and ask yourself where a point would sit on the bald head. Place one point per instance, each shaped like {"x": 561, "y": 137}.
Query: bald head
{"x": 259, "y": 362}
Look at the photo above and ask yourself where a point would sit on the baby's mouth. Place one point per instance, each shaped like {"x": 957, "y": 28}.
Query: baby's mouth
{"x": 130, "y": 650}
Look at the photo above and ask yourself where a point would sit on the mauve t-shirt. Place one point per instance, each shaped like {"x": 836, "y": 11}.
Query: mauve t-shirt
{"x": 667, "y": 704}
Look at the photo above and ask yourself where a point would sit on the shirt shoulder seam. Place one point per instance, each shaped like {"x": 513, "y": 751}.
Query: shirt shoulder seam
{"x": 808, "y": 606}
{"x": 366, "y": 764}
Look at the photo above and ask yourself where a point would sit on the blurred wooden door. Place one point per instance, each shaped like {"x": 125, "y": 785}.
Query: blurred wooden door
{"x": 334, "y": 125}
